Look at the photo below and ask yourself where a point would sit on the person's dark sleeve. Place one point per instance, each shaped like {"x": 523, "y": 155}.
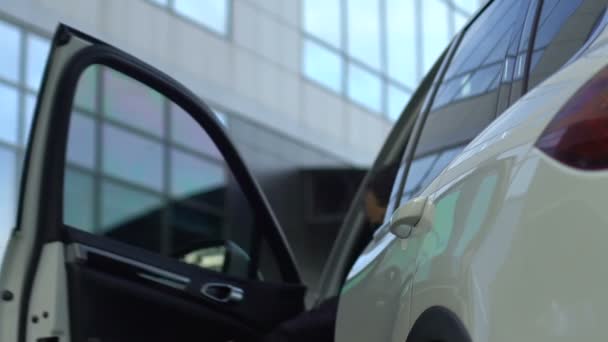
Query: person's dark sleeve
{"x": 317, "y": 324}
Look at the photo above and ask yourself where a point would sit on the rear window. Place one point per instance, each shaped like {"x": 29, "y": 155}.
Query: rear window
{"x": 563, "y": 28}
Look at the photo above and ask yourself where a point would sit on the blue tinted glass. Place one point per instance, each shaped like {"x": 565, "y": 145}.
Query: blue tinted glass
{"x": 468, "y": 5}
{"x": 419, "y": 169}
{"x": 120, "y": 204}
{"x": 86, "y": 91}
{"x": 132, "y": 102}
{"x": 30, "y": 106}
{"x": 9, "y": 114}
{"x": 401, "y": 41}
{"x": 322, "y": 19}
{"x": 10, "y": 53}
{"x": 488, "y": 38}
{"x": 397, "y": 99}
{"x": 553, "y": 16}
{"x": 192, "y": 176}
{"x": 78, "y": 202}
{"x": 322, "y": 65}
{"x": 81, "y": 141}
{"x": 37, "y": 53}
{"x": 364, "y": 88}
{"x": 132, "y": 158}
{"x": 480, "y": 82}
{"x": 8, "y": 196}
{"x": 442, "y": 162}
{"x": 213, "y": 14}
{"x": 436, "y": 33}
{"x": 364, "y": 31}
{"x": 187, "y": 132}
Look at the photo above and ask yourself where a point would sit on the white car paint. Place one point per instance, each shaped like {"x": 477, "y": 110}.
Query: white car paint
{"x": 517, "y": 246}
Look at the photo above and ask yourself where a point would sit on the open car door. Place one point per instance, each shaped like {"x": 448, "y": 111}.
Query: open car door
{"x": 138, "y": 220}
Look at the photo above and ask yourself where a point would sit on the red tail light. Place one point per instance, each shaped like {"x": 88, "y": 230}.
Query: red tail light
{"x": 578, "y": 135}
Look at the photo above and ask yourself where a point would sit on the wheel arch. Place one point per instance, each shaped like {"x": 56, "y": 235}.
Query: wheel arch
{"x": 438, "y": 323}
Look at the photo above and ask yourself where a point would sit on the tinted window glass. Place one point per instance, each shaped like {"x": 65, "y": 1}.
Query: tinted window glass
{"x": 563, "y": 27}
{"x": 467, "y": 97}
{"x": 142, "y": 171}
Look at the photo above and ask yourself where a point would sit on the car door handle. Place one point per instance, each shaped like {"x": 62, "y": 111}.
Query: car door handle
{"x": 417, "y": 212}
{"x": 223, "y": 293}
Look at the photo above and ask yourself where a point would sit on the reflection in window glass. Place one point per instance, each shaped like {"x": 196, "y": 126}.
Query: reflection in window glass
{"x": 436, "y": 33}
{"x": 121, "y": 204}
{"x": 564, "y": 27}
{"x": 481, "y": 81}
{"x": 397, "y": 99}
{"x": 187, "y": 132}
{"x": 192, "y": 176}
{"x": 8, "y": 195}
{"x": 37, "y": 52}
{"x": 401, "y": 41}
{"x": 322, "y": 66}
{"x": 78, "y": 200}
{"x": 132, "y": 158}
{"x": 213, "y": 14}
{"x": 442, "y": 162}
{"x": 418, "y": 170}
{"x": 81, "y": 141}
{"x": 322, "y": 19}
{"x": 364, "y": 31}
{"x": 9, "y": 115}
{"x": 131, "y": 102}
{"x": 364, "y": 87}
{"x": 30, "y": 106}
{"x": 86, "y": 92}
{"x": 9, "y": 54}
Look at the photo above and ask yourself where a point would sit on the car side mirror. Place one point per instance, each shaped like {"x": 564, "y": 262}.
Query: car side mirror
{"x": 222, "y": 256}
{"x": 419, "y": 211}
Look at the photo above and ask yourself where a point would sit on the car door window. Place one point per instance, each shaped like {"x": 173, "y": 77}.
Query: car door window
{"x": 466, "y": 100}
{"x": 562, "y": 29}
{"x": 140, "y": 170}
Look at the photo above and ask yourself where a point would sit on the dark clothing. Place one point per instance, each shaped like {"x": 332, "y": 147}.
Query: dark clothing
{"x": 316, "y": 325}
{"x": 319, "y": 323}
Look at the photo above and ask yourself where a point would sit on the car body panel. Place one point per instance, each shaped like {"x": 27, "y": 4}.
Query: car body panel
{"x": 486, "y": 258}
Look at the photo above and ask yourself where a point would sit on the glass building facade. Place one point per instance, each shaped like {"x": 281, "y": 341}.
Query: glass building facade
{"x": 375, "y": 52}
{"x": 345, "y": 67}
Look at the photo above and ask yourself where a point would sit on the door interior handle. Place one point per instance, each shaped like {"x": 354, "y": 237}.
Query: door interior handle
{"x": 418, "y": 211}
{"x": 223, "y": 293}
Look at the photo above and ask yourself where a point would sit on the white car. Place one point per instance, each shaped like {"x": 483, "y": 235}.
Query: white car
{"x": 494, "y": 231}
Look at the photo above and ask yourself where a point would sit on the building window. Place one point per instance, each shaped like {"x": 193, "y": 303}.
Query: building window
{"x": 389, "y": 43}
{"x": 211, "y": 14}
{"x": 364, "y": 87}
{"x": 322, "y": 19}
{"x": 322, "y": 65}
{"x": 364, "y": 31}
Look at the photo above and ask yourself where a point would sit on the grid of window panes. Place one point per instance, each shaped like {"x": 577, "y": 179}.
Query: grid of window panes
{"x": 376, "y": 51}
{"x": 23, "y": 58}
{"x": 22, "y": 61}
{"x": 211, "y": 14}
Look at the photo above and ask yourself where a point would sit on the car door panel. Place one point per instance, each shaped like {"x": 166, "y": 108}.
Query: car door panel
{"x": 84, "y": 286}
